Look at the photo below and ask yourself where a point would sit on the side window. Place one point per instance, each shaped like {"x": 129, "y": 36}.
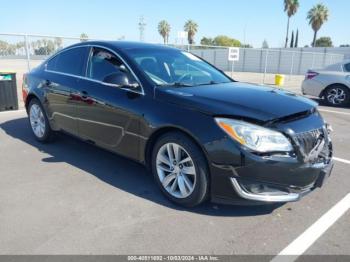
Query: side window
{"x": 103, "y": 63}
{"x": 69, "y": 62}
{"x": 347, "y": 67}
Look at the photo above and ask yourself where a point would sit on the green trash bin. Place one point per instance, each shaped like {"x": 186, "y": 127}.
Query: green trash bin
{"x": 8, "y": 91}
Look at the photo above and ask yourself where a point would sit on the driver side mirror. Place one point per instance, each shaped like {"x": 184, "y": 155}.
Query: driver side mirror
{"x": 120, "y": 79}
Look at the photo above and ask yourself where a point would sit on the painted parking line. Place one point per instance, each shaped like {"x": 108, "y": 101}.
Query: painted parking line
{"x": 306, "y": 239}
{"x": 12, "y": 111}
{"x": 333, "y": 111}
{"x": 341, "y": 160}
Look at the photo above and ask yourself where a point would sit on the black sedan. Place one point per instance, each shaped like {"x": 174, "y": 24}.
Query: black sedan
{"x": 202, "y": 134}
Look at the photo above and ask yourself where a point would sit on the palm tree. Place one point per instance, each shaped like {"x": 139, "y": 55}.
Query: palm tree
{"x": 317, "y": 16}
{"x": 164, "y": 30}
{"x": 191, "y": 28}
{"x": 291, "y": 7}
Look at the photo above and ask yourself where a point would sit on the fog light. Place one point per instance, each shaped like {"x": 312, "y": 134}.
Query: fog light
{"x": 255, "y": 188}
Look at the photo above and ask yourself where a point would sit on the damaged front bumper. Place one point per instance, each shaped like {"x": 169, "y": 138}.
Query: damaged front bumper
{"x": 268, "y": 193}
{"x": 270, "y": 179}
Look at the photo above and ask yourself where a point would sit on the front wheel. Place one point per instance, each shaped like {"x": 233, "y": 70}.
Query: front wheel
{"x": 180, "y": 169}
{"x": 337, "y": 95}
{"x": 39, "y": 122}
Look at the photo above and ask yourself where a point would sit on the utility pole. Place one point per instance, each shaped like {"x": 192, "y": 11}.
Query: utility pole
{"x": 142, "y": 25}
{"x": 244, "y": 33}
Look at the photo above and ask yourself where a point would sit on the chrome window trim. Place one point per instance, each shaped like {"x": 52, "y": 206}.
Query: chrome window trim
{"x": 91, "y": 79}
{"x": 95, "y": 81}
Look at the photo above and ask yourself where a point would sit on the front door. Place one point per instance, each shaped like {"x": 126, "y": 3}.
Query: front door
{"x": 106, "y": 114}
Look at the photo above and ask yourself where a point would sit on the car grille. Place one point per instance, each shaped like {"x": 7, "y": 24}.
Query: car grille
{"x": 309, "y": 140}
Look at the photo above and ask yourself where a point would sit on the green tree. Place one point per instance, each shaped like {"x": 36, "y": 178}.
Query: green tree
{"x": 164, "y": 30}
{"x": 191, "y": 28}
{"x": 20, "y": 44}
{"x": 296, "y": 39}
{"x": 265, "y": 45}
{"x": 291, "y": 8}
{"x": 44, "y": 47}
{"x": 207, "y": 41}
{"x": 7, "y": 49}
{"x": 58, "y": 42}
{"x": 20, "y": 47}
{"x": 292, "y": 40}
{"x": 83, "y": 37}
{"x": 317, "y": 16}
{"x": 223, "y": 40}
{"x": 324, "y": 42}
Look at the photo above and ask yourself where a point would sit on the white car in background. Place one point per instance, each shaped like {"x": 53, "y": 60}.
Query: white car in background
{"x": 331, "y": 83}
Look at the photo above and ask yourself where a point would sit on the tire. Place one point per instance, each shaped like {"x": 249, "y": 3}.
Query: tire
{"x": 38, "y": 122}
{"x": 180, "y": 177}
{"x": 337, "y": 95}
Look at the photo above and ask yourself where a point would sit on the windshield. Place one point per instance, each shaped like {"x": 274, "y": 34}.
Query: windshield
{"x": 174, "y": 67}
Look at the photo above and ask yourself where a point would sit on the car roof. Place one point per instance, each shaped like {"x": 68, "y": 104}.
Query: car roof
{"x": 125, "y": 45}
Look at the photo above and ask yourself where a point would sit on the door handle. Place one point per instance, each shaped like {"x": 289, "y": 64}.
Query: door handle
{"x": 86, "y": 98}
{"x": 48, "y": 83}
{"x": 84, "y": 94}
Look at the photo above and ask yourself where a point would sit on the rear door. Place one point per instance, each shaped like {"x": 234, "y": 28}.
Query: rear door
{"x": 62, "y": 76}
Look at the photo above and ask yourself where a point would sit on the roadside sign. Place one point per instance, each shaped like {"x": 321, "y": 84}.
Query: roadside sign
{"x": 233, "y": 54}
{"x": 182, "y": 34}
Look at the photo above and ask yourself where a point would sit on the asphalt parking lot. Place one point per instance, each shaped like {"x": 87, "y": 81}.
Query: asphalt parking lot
{"x": 69, "y": 197}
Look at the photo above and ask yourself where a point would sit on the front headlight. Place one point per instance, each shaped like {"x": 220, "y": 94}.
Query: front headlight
{"x": 255, "y": 137}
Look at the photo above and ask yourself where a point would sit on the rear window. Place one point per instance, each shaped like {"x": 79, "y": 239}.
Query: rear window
{"x": 69, "y": 62}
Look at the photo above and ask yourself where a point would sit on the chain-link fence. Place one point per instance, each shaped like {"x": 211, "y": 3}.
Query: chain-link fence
{"x": 20, "y": 53}
{"x": 33, "y": 48}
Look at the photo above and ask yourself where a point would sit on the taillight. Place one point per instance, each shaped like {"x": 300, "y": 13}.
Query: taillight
{"x": 310, "y": 75}
{"x": 24, "y": 88}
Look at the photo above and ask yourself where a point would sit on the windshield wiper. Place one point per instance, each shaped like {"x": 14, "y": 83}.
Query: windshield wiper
{"x": 176, "y": 84}
{"x": 211, "y": 83}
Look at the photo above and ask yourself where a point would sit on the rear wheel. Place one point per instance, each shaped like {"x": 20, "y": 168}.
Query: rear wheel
{"x": 39, "y": 122}
{"x": 337, "y": 95}
{"x": 180, "y": 169}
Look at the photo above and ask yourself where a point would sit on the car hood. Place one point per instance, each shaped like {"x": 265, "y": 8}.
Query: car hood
{"x": 237, "y": 99}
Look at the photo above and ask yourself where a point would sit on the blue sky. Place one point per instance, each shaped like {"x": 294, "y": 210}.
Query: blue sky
{"x": 113, "y": 19}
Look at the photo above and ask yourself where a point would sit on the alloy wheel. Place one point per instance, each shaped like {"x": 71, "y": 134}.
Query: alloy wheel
{"x": 336, "y": 96}
{"x": 37, "y": 120}
{"x": 176, "y": 170}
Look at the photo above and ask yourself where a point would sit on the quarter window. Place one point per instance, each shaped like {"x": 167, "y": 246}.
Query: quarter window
{"x": 103, "y": 63}
{"x": 69, "y": 62}
{"x": 347, "y": 67}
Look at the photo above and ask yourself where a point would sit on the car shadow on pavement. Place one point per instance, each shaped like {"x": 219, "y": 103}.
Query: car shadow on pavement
{"x": 117, "y": 171}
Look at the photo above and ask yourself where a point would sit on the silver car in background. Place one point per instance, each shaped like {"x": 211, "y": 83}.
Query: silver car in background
{"x": 331, "y": 83}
